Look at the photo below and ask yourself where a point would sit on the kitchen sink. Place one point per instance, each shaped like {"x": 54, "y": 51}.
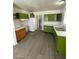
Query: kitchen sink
{"x": 60, "y": 28}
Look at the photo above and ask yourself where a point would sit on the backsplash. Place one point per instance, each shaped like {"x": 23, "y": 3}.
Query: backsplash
{"x": 17, "y": 23}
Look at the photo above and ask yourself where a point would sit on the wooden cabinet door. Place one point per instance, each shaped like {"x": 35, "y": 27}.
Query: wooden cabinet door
{"x": 20, "y": 34}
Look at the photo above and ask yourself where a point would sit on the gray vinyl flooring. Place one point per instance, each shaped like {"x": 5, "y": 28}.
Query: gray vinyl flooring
{"x": 36, "y": 45}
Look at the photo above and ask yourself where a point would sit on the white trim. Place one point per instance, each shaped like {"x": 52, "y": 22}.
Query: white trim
{"x": 15, "y": 40}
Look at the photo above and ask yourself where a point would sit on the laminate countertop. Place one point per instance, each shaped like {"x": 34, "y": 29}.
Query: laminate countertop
{"x": 60, "y": 31}
{"x": 19, "y": 28}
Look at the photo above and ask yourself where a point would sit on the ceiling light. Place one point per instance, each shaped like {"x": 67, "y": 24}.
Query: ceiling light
{"x": 60, "y": 2}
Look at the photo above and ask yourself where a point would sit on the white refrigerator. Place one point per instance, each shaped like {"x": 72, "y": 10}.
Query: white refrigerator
{"x": 32, "y": 23}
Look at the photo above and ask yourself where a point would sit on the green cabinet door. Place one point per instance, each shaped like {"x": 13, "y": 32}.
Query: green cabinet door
{"x": 22, "y": 16}
{"x": 51, "y": 17}
{"x": 61, "y": 45}
{"x": 48, "y": 29}
{"x": 59, "y": 17}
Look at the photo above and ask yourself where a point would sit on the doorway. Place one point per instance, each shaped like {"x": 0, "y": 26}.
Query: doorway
{"x": 39, "y": 21}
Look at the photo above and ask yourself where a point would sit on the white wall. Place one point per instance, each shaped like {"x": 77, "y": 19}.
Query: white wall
{"x": 63, "y": 11}
{"x": 64, "y": 22}
{"x": 15, "y": 40}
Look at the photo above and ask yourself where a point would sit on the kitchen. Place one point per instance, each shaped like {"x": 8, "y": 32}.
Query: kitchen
{"x": 32, "y": 27}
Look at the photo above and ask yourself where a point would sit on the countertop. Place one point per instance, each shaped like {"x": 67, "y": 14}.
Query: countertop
{"x": 19, "y": 28}
{"x": 60, "y": 32}
{"x": 58, "y": 27}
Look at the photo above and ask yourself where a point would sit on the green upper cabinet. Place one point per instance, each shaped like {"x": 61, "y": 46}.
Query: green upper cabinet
{"x": 53, "y": 17}
{"x": 50, "y": 17}
{"x": 59, "y": 17}
{"x": 22, "y": 16}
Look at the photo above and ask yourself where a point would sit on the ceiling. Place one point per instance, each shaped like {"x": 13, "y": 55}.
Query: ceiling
{"x": 38, "y": 5}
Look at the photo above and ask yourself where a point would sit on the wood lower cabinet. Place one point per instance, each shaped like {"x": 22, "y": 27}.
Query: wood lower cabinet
{"x": 20, "y": 34}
